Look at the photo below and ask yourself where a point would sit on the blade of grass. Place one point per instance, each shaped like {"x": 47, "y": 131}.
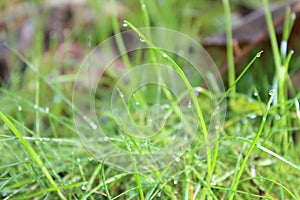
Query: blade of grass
{"x": 230, "y": 56}
{"x": 103, "y": 181}
{"x": 272, "y": 33}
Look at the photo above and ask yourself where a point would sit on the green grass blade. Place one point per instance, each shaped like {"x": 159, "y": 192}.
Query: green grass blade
{"x": 230, "y": 56}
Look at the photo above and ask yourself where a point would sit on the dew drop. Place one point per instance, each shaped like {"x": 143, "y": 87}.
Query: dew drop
{"x": 292, "y": 51}
{"x": 78, "y": 159}
{"x": 244, "y": 120}
{"x": 259, "y": 54}
{"x": 271, "y": 92}
{"x": 142, "y": 40}
{"x": 164, "y": 55}
{"x": 253, "y": 116}
{"x": 120, "y": 93}
{"x": 137, "y": 103}
{"x": 177, "y": 159}
{"x": 217, "y": 127}
{"x": 255, "y": 93}
{"x": 47, "y": 110}
{"x": 277, "y": 117}
{"x": 143, "y": 6}
{"x": 125, "y": 24}
{"x": 93, "y": 125}
{"x": 90, "y": 158}
{"x": 19, "y": 108}
{"x": 264, "y": 119}
{"x": 41, "y": 139}
{"x": 76, "y": 178}
{"x": 26, "y": 159}
{"x": 105, "y": 138}
{"x": 83, "y": 187}
{"x": 35, "y": 106}
{"x": 262, "y": 180}
{"x": 159, "y": 194}
{"x": 175, "y": 182}
{"x": 189, "y": 104}
{"x": 214, "y": 177}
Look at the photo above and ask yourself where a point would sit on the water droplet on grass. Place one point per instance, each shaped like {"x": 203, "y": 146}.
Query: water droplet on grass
{"x": 142, "y": 40}
{"x": 120, "y": 93}
{"x": 78, "y": 159}
{"x": 175, "y": 182}
{"x": 259, "y": 54}
{"x": 125, "y": 24}
{"x": 253, "y": 116}
{"x": 164, "y": 55}
{"x": 19, "y": 108}
{"x": 83, "y": 187}
{"x": 143, "y": 6}
{"x": 90, "y": 158}
{"x": 271, "y": 92}
{"x": 93, "y": 125}
{"x": 35, "y": 106}
{"x": 47, "y": 110}
{"x": 177, "y": 159}
{"x": 189, "y": 104}
{"x": 255, "y": 93}
{"x": 244, "y": 120}
{"x": 292, "y": 51}
{"x": 105, "y": 138}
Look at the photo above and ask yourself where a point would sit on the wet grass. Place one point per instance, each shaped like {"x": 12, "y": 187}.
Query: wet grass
{"x": 255, "y": 152}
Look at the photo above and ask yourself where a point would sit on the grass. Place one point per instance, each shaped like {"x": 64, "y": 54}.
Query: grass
{"x": 255, "y": 152}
